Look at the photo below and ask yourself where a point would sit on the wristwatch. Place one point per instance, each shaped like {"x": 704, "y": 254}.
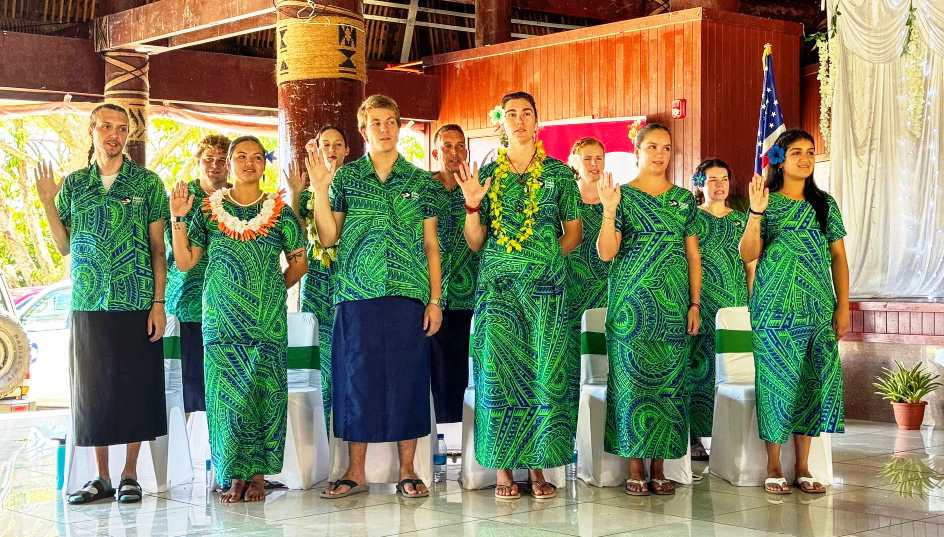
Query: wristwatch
{"x": 175, "y": 219}
{"x": 435, "y": 302}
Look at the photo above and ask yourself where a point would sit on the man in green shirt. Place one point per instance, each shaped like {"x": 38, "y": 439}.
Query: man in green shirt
{"x": 379, "y": 209}
{"x": 450, "y": 346}
{"x": 110, "y": 217}
{"x": 185, "y": 288}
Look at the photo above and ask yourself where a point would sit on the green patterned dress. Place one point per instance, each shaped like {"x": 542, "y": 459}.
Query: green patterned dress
{"x": 799, "y": 376}
{"x": 586, "y": 273}
{"x": 525, "y": 376}
{"x": 245, "y": 342}
{"x": 646, "y": 338}
{"x": 317, "y": 289}
{"x": 723, "y": 285}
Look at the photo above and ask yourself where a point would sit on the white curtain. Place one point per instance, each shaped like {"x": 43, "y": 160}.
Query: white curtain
{"x": 885, "y": 157}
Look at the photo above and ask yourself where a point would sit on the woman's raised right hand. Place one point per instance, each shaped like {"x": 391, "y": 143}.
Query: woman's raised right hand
{"x": 609, "y": 193}
{"x": 759, "y": 194}
{"x": 319, "y": 173}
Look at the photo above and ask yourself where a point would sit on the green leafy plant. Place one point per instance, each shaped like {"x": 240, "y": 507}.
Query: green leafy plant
{"x": 904, "y": 385}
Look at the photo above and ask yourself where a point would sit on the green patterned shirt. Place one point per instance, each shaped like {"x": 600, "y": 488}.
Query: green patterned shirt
{"x": 185, "y": 289}
{"x": 380, "y": 252}
{"x": 723, "y": 280}
{"x": 460, "y": 264}
{"x": 109, "y": 238}
{"x": 540, "y": 258}
{"x": 244, "y": 289}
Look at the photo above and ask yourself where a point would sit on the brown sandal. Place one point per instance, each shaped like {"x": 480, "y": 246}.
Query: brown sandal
{"x": 662, "y": 487}
{"x": 513, "y": 493}
{"x": 639, "y": 484}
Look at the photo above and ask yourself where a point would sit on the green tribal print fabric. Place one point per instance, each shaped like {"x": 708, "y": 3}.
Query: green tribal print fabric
{"x": 185, "y": 289}
{"x": 799, "y": 376}
{"x": 460, "y": 265}
{"x": 317, "y": 298}
{"x": 381, "y": 248}
{"x": 109, "y": 237}
{"x": 586, "y": 273}
{"x": 526, "y": 381}
{"x": 245, "y": 342}
{"x": 647, "y": 403}
{"x": 723, "y": 285}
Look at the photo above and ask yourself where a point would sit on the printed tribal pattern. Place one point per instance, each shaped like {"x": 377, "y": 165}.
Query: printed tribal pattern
{"x": 647, "y": 407}
{"x": 317, "y": 291}
{"x": 460, "y": 265}
{"x": 526, "y": 378}
{"x": 185, "y": 289}
{"x": 247, "y": 397}
{"x": 799, "y": 375}
{"x": 526, "y": 383}
{"x": 244, "y": 290}
{"x": 109, "y": 238}
{"x": 540, "y": 258}
{"x": 586, "y": 273}
{"x": 723, "y": 285}
{"x": 380, "y": 252}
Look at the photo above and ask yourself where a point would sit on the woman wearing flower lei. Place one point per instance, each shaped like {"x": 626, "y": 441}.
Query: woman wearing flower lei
{"x": 318, "y": 283}
{"x": 725, "y": 281}
{"x": 522, "y": 209}
{"x": 648, "y": 232}
{"x": 244, "y": 231}
{"x": 799, "y": 307}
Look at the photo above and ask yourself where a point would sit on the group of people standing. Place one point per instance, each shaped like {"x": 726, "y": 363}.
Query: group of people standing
{"x": 398, "y": 265}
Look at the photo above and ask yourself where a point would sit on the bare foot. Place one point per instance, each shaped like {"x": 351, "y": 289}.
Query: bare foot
{"x": 256, "y": 490}
{"x": 506, "y": 486}
{"x": 235, "y": 493}
{"x": 341, "y": 489}
{"x": 539, "y": 487}
{"x": 408, "y": 488}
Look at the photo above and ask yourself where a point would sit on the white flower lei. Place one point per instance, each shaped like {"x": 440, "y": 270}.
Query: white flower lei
{"x": 228, "y": 222}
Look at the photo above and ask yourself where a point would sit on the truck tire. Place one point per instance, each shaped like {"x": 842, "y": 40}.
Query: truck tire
{"x": 14, "y": 354}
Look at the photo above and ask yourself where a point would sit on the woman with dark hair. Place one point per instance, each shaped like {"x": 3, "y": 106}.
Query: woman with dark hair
{"x": 317, "y": 285}
{"x": 725, "y": 281}
{"x": 799, "y": 306}
{"x": 648, "y": 231}
{"x": 243, "y": 231}
{"x": 523, "y": 209}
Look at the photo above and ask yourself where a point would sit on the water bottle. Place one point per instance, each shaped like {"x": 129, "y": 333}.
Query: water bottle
{"x": 60, "y": 462}
{"x": 439, "y": 459}
{"x": 210, "y": 476}
{"x": 572, "y": 468}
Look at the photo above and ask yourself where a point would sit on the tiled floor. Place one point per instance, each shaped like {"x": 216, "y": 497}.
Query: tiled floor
{"x": 887, "y": 485}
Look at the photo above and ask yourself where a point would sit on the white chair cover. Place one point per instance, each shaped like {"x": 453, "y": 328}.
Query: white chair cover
{"x": 738, "y": 455}
{"x": 162, "y": 462}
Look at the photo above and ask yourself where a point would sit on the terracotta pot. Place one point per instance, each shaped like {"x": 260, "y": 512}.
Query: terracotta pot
{"x": 909, "y": 416}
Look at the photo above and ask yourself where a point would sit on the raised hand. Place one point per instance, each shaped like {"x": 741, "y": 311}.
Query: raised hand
{"x": 609, "y": 193}
{"x": 319, "y": 173}
{"x": 759, "y": 194}
{"x": 294, "y": 177}
{"x": 181, "y": 200}
{"x": 472, "y": 191}
{"x": 46, "y": 185}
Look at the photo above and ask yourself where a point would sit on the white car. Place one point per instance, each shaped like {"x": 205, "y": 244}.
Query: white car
{"x": 46, "y": 319}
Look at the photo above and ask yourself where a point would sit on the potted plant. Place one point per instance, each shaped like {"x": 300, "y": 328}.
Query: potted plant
{"x": 906, "y": 388}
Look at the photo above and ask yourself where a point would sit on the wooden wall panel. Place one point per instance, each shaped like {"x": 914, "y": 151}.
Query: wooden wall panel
{"x": 637, "y": 67}
{"x": 732, "y": 81}
{"x": 910, "y": 323}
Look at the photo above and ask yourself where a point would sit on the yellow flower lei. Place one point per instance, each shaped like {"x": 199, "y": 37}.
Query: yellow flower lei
{"x": 324, "y": 255}
{"x": 532, "y": 186}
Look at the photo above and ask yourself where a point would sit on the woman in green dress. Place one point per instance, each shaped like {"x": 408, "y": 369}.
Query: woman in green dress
{"x": 243, "y": 231}
{"x": 799, "y": 306}
{"x": 586, "y": 272}
{"x": 317, "y": 285}
{"x": 648, "y": 232}
{"x": 725, "y": 281}
{"x": 522, "y": 209}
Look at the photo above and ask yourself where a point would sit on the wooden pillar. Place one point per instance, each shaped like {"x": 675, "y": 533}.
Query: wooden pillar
{"x": 126, "y": 84}
{"x": 321, "y": 70}
{"x": 724, "y": 5}
{"x": 492, "y": 22}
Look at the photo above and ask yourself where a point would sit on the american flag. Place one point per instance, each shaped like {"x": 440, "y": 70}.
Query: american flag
{"x": 770, "y": 120}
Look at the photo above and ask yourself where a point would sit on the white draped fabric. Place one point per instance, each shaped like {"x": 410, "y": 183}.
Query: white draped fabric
{"x": 885, "y": 167}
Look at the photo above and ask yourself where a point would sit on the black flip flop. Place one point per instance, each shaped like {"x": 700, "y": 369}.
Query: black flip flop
{"x": 401, "y": 488}
{"x": 129, "y": 491}
{"x": 92, "y": 491}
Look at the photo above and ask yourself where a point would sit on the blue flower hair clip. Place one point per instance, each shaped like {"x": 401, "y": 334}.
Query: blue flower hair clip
{"x": 270, "y": 156}
{"x": 699, "y": 179}
{"x": 776, "y": 155}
